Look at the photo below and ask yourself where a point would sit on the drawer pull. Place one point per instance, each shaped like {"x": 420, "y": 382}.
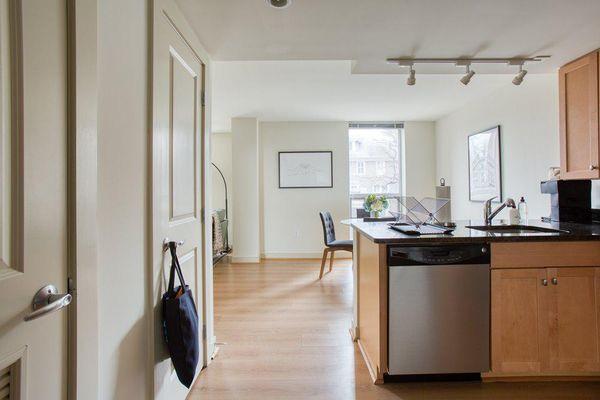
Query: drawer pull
{"x": 555, "y": 281}
{"x": 544, "y": 282}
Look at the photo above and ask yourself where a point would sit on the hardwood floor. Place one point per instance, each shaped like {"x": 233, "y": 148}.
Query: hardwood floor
{"x": 286, "y": 335}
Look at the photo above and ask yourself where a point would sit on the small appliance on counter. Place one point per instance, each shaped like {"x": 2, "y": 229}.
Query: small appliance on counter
{"x": 570, "y": 200}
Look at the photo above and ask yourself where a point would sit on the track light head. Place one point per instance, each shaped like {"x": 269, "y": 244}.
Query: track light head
{"x": 517, "y": 80}
{"x": 467, "y": 77}
{"x": 411, "y": 80}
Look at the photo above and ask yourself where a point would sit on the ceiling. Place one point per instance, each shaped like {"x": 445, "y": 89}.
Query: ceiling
{"x": 325, "y": 59}
{"x": 327, "y": 91}
{"x": 367, "y": 32}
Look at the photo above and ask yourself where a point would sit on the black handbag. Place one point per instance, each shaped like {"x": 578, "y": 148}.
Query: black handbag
{"x": 180, "y": 323}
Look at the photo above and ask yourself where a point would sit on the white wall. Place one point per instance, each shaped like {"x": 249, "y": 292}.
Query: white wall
{"x": 122, "y": 164}
{"x": 419, "y": 159}
{"x": 528, "y": 117}
{"x": 245, "y": 201}
{"x": 221, "y": 155}
{"x": 291, "y": 224}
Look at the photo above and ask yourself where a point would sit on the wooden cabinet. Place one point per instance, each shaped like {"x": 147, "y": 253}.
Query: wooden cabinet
{"x": 579, "y": 123}
{"x": 545, "y": 320}
{"x": 574, "y": 317}
{"x": 519, "y": 320}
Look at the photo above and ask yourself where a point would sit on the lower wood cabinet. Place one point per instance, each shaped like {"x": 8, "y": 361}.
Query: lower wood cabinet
{"x": 545, "y": 320}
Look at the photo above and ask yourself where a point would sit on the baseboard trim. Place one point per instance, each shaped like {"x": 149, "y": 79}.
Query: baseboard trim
{"x": 245, "y": 260}
{"x": 304, "y": 255}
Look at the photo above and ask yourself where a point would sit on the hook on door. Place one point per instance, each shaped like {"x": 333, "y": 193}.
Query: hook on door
{"x": 166, "y": 242}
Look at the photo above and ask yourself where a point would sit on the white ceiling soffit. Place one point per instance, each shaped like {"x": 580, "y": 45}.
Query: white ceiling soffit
{"x": 327, "y": 91}
{"x": 370, "y": 31}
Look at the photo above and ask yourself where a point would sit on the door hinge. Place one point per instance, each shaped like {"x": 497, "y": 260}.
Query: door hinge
{"x": 203, "y": 331}
{"x": 202, "y": 216}
{"x": 202, "y": 98}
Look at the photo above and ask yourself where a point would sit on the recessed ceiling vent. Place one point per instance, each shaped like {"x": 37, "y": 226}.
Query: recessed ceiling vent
{"x": 279, "y": 3}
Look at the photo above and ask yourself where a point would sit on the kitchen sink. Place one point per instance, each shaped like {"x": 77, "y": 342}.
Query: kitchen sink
{"x": 515, "y": 229}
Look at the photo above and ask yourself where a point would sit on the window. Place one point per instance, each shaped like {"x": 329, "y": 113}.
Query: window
{"x": 375, "y": 162}
{"x": 378, "y": 189}
{"x": 360, "y": 168}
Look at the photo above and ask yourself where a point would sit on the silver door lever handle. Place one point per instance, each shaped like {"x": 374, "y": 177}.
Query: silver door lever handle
{"x": 46, "y": 301}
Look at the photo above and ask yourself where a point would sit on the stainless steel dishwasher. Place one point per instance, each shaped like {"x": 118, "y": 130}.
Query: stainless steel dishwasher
{"x": 439, "y": 309}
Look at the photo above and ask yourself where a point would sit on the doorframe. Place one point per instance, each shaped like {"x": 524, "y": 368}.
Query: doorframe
{"x": 168, "y": 8}
{"x": 82, "y": 189}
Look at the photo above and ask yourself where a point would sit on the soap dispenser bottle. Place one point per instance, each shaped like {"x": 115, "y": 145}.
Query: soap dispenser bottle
{"x": 523, "y": 210}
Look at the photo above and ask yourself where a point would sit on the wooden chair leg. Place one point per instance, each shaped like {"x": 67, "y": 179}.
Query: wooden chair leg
{"x": 331, "y": 260}
{"x": 325, "y": 251}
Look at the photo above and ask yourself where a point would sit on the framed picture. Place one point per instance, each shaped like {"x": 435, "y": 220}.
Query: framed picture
{"x": 305, "y": 169}
{"x": 485, "y": 173}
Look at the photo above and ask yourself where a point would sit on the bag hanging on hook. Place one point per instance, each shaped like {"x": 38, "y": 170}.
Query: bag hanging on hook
{"x": 180, "y": 323}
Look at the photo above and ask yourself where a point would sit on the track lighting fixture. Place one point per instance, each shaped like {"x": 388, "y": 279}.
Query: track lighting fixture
{"x": 520, "y": 61}
{"x": 519, "y": 78}
{"x": 411, "y": 80}
{"x": 467, "y": 78}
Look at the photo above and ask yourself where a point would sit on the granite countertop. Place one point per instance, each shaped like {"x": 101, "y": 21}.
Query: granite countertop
{"x": 379, "y": 232}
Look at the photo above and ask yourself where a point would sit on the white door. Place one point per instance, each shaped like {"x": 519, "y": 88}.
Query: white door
{"x": 33, "y": 201}
{"x": 177, "y": 159}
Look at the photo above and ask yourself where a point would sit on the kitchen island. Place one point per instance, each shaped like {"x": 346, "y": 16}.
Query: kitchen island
{"x": 544, "y": 297}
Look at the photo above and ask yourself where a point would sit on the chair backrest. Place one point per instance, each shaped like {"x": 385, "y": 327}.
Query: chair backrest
{"x": 328, "y": 229}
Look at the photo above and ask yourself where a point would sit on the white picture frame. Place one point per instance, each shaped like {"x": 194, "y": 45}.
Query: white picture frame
{"x": 485, "y": 167}
{"x": 305, "y": 169}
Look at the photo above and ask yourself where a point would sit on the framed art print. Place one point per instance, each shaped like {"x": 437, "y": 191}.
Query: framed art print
{"x": 485, "y": 174}
{"x": 305, "y": 169}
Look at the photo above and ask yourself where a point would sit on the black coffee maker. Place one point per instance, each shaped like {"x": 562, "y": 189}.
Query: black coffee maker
{"x": 571, "y": 201}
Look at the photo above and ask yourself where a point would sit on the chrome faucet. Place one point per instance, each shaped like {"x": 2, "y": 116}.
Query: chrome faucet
{"x": 488, "y": 214}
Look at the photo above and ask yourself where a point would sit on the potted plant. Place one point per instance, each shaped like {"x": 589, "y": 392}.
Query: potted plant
{"x": 376, "y": 204}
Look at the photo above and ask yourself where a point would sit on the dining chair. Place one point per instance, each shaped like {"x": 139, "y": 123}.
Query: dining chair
{"x": 331, "y": 243}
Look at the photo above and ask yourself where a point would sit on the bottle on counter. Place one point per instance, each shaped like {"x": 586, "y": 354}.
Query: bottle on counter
{"x": 523, "y": 210}
{"x": 514, "y": 217}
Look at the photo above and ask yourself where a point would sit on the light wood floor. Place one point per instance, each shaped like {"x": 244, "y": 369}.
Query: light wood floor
{"x": 287, "y": 338}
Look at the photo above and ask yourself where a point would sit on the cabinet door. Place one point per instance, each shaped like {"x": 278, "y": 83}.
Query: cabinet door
{"x": 579, "y": 143}
{"x": 574, "y": 338}
{"x": 519, "y": 320}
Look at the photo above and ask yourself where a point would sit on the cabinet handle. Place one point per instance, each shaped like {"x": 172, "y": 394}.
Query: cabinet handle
{"x": 593, "y": 167}
{"x": 555, "y": 281}
{"x": 544, "y": 282}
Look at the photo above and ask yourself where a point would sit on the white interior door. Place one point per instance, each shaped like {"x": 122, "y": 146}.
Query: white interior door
{"x": 177, "y": 184}
{"x": 33, "y": 200}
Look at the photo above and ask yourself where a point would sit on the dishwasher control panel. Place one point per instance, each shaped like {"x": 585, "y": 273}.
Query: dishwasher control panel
{"x": 438, "y": 255}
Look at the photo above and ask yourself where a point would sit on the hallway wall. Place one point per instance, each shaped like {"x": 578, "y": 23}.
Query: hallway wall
{"x": 122, "y": 138}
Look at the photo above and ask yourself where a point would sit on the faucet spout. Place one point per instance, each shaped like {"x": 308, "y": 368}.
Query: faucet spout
{"x": 489, "y": 215}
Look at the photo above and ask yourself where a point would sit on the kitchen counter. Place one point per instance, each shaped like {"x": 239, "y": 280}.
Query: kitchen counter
{"x": 380, "y": 233}
{"x": 522, "y": 266}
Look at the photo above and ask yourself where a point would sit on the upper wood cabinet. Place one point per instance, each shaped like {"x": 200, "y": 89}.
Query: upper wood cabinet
{"x": 579, "y": 124}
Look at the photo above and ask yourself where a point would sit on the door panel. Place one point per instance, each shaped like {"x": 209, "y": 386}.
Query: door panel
{"x": 36, "y": 215}
{"x": 183, "y": 150}
{"x": 177, "y": 138}
{"x": 574, "y": 319}
{"x": 519, "y": 320}
{"x": 578, "y": 90}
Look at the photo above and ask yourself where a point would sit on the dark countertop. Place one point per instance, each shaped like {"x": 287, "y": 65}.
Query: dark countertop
{"x": 379, "y": 232}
